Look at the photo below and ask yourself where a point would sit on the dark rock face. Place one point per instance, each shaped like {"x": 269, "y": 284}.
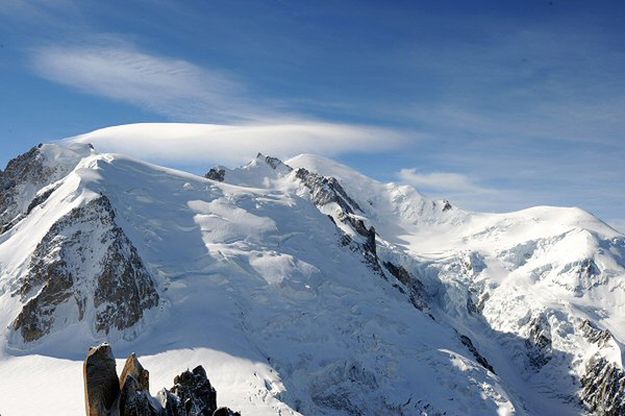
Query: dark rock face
{"x": 603, "y": 388}
{"x": 594, "y": 334}
{"x": 538, "y": 344}
{"x": 136, "y": 401}
{"x": 359, "y": 226}
{"x": 224, "y": 411}
{"x": 195, "y": 392}
{"x": 101, "y": 383}
{"x": 324, "y": 190}
{"x": 40, "y": 198}
{"x": 603, "y": 382}
{"x": 466, "y": 341}
{"x": 170, "y": 403}
{"x": 192, "y": 394}
{"x": 417, "y": 293}
{"x": 22, "y": 185}
{"x": 124, "y": 289}
{"x": 216, "y": 174}
{"x": 274, "y": 162}
{"x": 64, "y": 263}
{"x": 24, "y": 166}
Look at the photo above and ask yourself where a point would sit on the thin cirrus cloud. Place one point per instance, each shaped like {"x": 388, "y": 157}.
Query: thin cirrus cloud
{"x": 180, "y": 90}
{"x": 169, "y": 87}
{"x": 441, "y": 181}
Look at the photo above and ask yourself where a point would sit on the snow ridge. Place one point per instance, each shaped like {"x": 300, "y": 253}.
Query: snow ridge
{"x": 305, "y": 288}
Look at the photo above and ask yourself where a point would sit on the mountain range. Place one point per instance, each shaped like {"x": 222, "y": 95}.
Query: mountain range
{"x": 303, "y": 288}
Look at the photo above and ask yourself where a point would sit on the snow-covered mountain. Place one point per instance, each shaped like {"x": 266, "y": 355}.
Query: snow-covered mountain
{"x": 302, "y": 287}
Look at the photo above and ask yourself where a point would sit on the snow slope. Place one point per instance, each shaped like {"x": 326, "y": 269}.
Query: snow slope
{"x": 291, "y": 312}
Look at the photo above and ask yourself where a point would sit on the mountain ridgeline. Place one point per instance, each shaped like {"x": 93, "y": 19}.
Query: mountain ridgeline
{"x": 319, "y": 291}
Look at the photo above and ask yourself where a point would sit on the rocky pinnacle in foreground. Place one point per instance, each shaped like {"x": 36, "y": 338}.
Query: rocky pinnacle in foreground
{"x": 107, "y": 395}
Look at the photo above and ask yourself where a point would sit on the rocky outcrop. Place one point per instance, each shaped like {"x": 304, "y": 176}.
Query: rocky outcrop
{"x": 24, "y": 183}
{"x": 135, "y": 400}
{"x": 134, "y": 369}
{"x": 224, "y": 411}
{"x": 603, "y": 382}
{"x": 603, "y": 387}
{"x": 106, "y": 395}
{"x": 274, "y": 162}
{"x": 594, "y": 334}
{"x": 216, "y": 174}
{"x": 325, "y": 190}
{"x": 101, "y": 383}
{"x": 18, "y": 170}
{"x": 466, "y": 341}
{"x": 41, "y": 197}
{"x": 538, "y": 342}
{"x": 416, "y": 290}
{"x": 195, "y": 392}
{"x": 66, "y": 270}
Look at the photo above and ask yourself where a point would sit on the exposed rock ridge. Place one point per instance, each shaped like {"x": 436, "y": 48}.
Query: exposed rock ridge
{"x": 325, "y": 190}
{"x": 25, "y": 166}
{"x": 416, "y": 290}
{"x": 217, "y": 174}
{"x": 274, "y": 162}
{"x": 64, "y": 269}
{"x": 538, "y": 342}
{"x": 466, "y": 341}
{"x": 594, "y": 334}
{"x": 603, "y": 382}
{"x": 21, "y": 182}
{"x": 106, "y": 395}
{"x": 603, "y": 387}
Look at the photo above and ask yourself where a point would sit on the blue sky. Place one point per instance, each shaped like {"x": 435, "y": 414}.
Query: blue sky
{"x": 494, "y": 105}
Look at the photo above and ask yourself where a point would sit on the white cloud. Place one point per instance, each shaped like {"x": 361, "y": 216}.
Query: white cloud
{"x": 440, "y": 181}
{"x": 166, "y": 86}
{"x": 181, "y": 90}
{"x": 199, "y": 143}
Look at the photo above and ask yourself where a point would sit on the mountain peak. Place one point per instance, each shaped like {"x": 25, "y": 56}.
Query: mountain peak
{"x": 273, "y": 162}
{"x": 311, "y": 283}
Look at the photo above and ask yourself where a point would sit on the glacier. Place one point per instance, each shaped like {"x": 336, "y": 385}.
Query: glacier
{"x": 304, "y": 288}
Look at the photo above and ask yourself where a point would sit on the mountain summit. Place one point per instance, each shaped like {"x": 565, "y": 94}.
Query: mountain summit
{"x": 303, "y": 287}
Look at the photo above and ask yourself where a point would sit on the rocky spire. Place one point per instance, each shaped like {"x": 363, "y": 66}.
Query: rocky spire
{"x": 195, "y": 392}
{"x": 106, "y": 395}
{"x": 101, "y": 383}
{"x": 134, "y": 368}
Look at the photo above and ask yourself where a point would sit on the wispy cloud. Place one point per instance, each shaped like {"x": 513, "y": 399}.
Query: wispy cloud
{"x": 526, "y": 110}
{"x": 440, "y": 181}
{"x": 183, "y": 91}
{"x": 171, "y": 87}
{"x": 461, "y": 189}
